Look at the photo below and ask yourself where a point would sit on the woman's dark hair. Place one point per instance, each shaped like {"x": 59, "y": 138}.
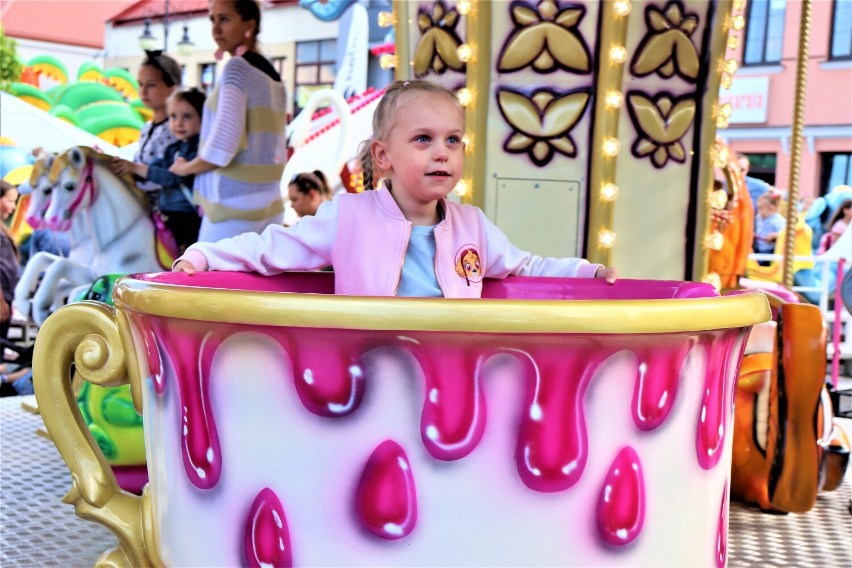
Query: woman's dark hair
{"x": 307, "y": 181}
{"x": 6, "y": 187}
{"x": 838, "y": 213}
{"x": 249, "y": 10}
{"x": 168, "y": 67}
{"x": 191, "y": 96}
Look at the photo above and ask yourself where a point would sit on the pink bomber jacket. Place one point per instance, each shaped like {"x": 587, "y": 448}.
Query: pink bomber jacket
{"x": 364, "y": 237}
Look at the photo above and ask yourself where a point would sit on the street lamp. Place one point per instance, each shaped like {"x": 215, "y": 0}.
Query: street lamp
{"x": 148, "y": 41}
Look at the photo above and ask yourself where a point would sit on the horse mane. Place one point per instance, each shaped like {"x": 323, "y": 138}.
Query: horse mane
{"x": 40, "y": 167}
{"x": 61, "y": 162}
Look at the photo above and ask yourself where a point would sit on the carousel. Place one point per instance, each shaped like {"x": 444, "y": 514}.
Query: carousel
{"x": 238, "y": 419}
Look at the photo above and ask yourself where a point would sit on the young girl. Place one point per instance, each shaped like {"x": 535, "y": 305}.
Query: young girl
{"x": 767, "y": 223}
{"x": 406, "y": 239}
{"x": 307, "y": 191}
{"x": 175, "y": 198}
{"x": 159, "y": 76}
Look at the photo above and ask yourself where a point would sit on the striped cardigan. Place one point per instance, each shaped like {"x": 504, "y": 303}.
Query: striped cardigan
{"x": 242, "y": 132}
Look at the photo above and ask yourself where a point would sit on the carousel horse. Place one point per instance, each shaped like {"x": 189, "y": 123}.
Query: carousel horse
{"x": 39, "y": 189}
{"x": 787, "y": 447}
{"x": 113, "y": 215}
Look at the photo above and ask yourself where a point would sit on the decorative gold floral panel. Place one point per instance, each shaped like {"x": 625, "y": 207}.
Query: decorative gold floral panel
{"x": 437, "y": 49}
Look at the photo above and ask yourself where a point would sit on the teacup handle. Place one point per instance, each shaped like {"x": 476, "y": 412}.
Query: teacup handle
{"x": 87, "y": 334}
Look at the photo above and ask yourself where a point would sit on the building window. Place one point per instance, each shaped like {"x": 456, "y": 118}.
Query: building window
{"x": 836, "y": 169}
{"x": 208, "y": 77}
{"x": 762, "y": 167}
{"x": 315, "y": 69}
{"x": 764, "y": 32}
{"x": 841, "y": 30}
{"x": 278, "y": 64}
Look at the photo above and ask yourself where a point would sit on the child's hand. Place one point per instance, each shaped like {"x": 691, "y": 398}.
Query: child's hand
{"x": 179, "y": 167}
{"x": 609, "y": 273}
{"x": 184, "y": 266}
{"x": 120, "y": 167}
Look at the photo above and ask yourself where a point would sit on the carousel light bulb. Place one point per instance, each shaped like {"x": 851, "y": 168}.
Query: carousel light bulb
{"x": 727, "y": 80}
{"x": 609, "y": 192}
{"x": 611, "y": 147}
{"x": 724, "y": 155}
{"x": 739, "y": 22}
{"x": 714, "y": 241}
{"x": 465, "y": 96}
{"x": 726, "y": 110}
{"x": 463, "y": 7}
{"x": 387, "y": 61}
{"x": 621, "y": 7}
{"x": 467, "y": 140}
{"x": 722, "y": 122}
{"x": 386, "y": 19}
{"x": 617, "y": 54}
{"x": 465, "y": 52}
{"x": 731, "y": 66}
{"x": 733, "y": 42}
{"x": 718, "y": 199}
{"x": 614, "y": 99}
{"x": 606, "y": 238}
{"x": 462, "y": 188}
{"x": 739, "y": 4}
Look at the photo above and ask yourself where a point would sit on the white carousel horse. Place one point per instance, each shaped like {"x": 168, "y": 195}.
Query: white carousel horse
{"x": 40, "y": 188}
{"x": 110, "y": 211}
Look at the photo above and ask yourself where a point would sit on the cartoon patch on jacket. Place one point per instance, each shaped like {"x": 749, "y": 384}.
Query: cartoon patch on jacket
{"x": 468, "y": 264}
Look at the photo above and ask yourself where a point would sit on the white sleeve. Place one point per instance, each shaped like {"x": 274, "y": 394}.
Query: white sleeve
{"x": 505, "y": 259}
{"x": 307, "y": 245}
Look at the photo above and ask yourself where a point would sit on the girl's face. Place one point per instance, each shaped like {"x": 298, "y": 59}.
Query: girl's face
{"x": 153, "y": 91}
{"x": 228, "y": 28}
{"x": 765, "y": 207}
{"x": 8, "y": 203}
{"x": 303, "y": 204}
{"x": 423, "y": 154}
{"x": 183, "y": 119}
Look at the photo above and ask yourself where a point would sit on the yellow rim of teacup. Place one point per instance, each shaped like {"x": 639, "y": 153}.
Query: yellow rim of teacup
{"x": 439, "y": 314}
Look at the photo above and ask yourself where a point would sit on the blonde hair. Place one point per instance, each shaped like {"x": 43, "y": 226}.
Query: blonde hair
{"x": 383, "y": 120}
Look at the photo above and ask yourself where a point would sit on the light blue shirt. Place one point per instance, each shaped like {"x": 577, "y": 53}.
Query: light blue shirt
{"x": 418, "y": 269}
{"x": 775, "y": 223}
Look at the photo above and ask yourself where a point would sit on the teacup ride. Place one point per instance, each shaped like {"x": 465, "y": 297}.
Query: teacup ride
{"x": 557, "y": 421}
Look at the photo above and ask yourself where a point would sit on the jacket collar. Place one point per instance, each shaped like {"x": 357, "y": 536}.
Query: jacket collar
{"x": 391, "y": 209}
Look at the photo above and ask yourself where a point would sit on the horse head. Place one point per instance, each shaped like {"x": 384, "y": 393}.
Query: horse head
{"x": 40, "y": 189}
{"x": 78, "y": 175}
{"x": 74, "y": 187}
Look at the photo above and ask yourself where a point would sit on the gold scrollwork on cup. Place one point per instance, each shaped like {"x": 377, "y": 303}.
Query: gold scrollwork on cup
{"x": 546, "y": 38}
{"x": 667, "y": 48}
{"x": 87, "y": 335}
{"x": 661, "y": 124}
{"x": 438, "y": 46}
{"x": 542, "y": 122}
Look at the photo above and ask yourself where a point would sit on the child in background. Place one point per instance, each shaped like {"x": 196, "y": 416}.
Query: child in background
{"x": 175, "y": 197}
{"x": 768, "y": 223}
{"x": 159, "y": 76}
{"x": 836, "y": 226}
{"x": 405, "y": 239}
{"x": 307, "y": 191}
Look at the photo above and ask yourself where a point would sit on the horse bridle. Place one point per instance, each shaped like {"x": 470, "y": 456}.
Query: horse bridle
{"x": 88, "y": 187}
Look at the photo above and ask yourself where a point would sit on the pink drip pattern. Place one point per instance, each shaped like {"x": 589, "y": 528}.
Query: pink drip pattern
{"x": 267, "y": 537}
{"x": 386, "y": 500}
